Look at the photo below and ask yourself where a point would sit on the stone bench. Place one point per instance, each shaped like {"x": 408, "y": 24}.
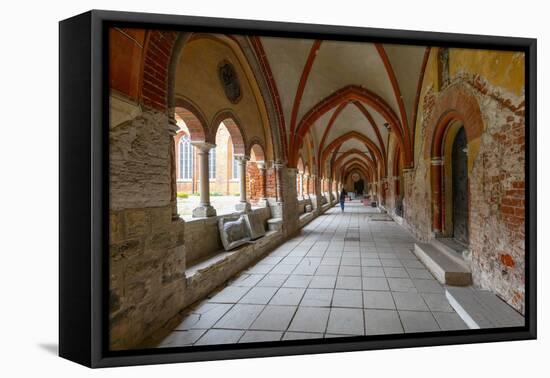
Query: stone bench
{"x": 213, "y": 271}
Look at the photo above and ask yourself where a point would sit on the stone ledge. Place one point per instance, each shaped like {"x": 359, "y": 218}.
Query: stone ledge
{"x": 482, "y": 309}
{"x": 215, "y": 270}
{"x": 305, "y": 219}
{"x": 446, "y": 269}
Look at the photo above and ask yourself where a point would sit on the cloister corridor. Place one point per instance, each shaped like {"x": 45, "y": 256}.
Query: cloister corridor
{"x": 228, "y": 155}
{"x": 345, "y": 274}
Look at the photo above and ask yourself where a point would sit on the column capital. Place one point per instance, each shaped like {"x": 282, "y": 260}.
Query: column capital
{"x": 203, "y": 146}
{"x": 277, "y": 164}
{"x": 242, "y": 158}
{"x": 261, "y": 164}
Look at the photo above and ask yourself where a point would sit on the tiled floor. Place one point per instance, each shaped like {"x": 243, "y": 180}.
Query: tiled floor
{"x": 346, "y": 274}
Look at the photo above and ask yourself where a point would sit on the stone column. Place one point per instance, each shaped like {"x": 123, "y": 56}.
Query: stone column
{"x": 172, "y": 130}
{"x": 279, "y": 176}
{"x": 204, "y": 209}
{"x": 243, "y": 205}
{"x": 330, "y": 194}
{"x": 435, "y": 174}
{"x": 262, "y": 167}
{"x": 306, "y": 184}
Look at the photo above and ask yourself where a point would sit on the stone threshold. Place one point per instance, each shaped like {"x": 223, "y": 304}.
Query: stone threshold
{"x": 482, "y": 309}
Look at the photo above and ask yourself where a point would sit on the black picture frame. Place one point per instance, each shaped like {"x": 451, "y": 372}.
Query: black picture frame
{"x": 83, "y": 182}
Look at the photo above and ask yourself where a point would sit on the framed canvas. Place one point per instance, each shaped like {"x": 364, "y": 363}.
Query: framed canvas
{"x": 372, "y": 188}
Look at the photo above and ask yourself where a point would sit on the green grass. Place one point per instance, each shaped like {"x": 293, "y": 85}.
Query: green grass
{"x": 182, "y": 195}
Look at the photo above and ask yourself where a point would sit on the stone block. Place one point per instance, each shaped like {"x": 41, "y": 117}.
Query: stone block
{"x": 255, "y": 225}
{"x": 233, "y": 232}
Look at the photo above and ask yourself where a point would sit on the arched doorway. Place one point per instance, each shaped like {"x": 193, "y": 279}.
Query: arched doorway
{"x": 459, "y": 169}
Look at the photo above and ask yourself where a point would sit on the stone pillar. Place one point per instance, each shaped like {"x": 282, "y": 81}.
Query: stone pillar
{"x": 279, "y": 175}
{"x": 172, "y": 130}
{"x": 263, "y": 170}
{"x": 243, "y": 205}
{"x": 306, "y": 184}
{"x": 435, "y": 174}
{"x": 330, "y": 194}
{"x": 204, "y": 209}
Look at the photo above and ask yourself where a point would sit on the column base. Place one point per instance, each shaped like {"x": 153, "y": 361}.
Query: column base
{"x": 245, "y": 207}
{"x": 204, "y": 211}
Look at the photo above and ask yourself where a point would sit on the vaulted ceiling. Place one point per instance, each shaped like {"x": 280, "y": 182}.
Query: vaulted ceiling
{"x": 341, "y": 95}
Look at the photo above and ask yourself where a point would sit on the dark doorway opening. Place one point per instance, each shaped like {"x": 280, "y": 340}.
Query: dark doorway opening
{"x": 460, "y": 187}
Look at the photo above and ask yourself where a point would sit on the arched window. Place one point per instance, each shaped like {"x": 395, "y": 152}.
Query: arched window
{"x": 186, "y": 159}
{"x": 212, "y": 164}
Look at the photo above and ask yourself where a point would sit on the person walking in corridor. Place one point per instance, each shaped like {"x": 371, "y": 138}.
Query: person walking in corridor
{"x": 343, "y": 198}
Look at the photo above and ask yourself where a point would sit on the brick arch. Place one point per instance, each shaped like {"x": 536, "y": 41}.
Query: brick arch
{"x": 371, "y": 146}
{"x": 233, "y": 126}
{"x": 158, "y": 60}
{"x": 349, "y": 94}
{"x": 456, "y": 104}
{"x": 256, "y": 146}
{"x": 193, "y": 118}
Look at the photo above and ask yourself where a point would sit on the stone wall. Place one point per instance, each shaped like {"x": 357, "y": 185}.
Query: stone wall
{"x": 496, "y": 184}
{"x": 147, "y": 256}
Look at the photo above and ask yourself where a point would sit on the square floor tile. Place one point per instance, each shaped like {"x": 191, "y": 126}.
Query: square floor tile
{"x": 310, "y": 319}
{"x": 317, "y": 298}
{"x": 220, "y": 336}
{"x": 420, "y": 273}
{"x": 204, "y": 316}
{"x": 322, "y": 282}
{"x": 349, "y": 271}
{"x": 273, "y": 280}
{"x": 327, "y": 270}
{"x": 428, "y": 286}
{"x": 229, "y": 294}
{"x": 372, "y": 271}
{"x": 395, "y": 272}
{"x": 288, "y": 296}
{"x": 375, "y": 283}
{"x": 260, "y": 336}
{"x": 391, "y": 263}
{"x": 241, "y": 316}
{"x": 347, "y": 298}
{"x": 283, "y": 269}
{"x": 259, "y": 295}
{"x": 416, "y": 321}
{"x": 449, "y": 321}
{"x": 409, "y": 301}
{"x": 295, "y": 280}
{"x": 291, "y": 260}
{"x": 335, "y": 261}
{"x": 371, "y": 262}
{"x": 437, "y": 302}
{"x": 402, "y": 285}
{"x": 274, "y": 318}
{"x": 348, "y": 321}
{"x": 378, "y": 300}
{"x": 348, "y": 282}
{"x": 382, "y": 322}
